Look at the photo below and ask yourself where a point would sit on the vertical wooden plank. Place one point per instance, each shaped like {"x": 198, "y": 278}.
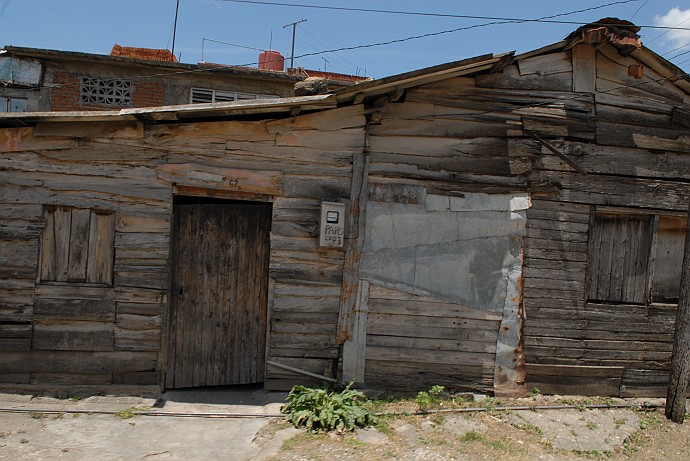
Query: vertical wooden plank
{"x": 594, "y": 263}
{"x": 264, "y": 248}
{"x": 622, "y": 250}
{"x": 48, "y": 269}
{"x": 240, "y": 311}
{"x": 62, "y": 218}
{"x": 353, "y": 250}
{"x": 605, "y": 256}
{"x": 354, "y": 350}
{"x": 101, "y": 248}
{"x": 78, "y": 245}
{"x": 584, "y": 68}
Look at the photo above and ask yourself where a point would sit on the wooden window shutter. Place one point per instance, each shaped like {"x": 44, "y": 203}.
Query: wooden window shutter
{"x": 619, "y": 251}
{"x": 77, "y": 245}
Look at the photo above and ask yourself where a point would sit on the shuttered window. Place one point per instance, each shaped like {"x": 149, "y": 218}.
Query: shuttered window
{"x": 635, "y": 258}
{"x": 204, "y": 95}
{"x": 77, "y": 245}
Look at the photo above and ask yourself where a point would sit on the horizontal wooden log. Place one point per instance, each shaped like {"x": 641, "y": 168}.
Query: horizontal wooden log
{"x": 304, "y": 328}
{"x": 77, "y": 362}
{"x": 137, "y": 322}
{"x": 555, "y": 360}
{"x": 553, "y": 330}
{"x": 331, "y": 120}
{"x": 136, "y": 340}
{"x": 346, "y": 139}
{"x": 307, "y": 290}
{"x": 428, "y": 309}
{"x": 316, "y": 186}
{"x": 625, "y": 355}
{"x": 75, "y": 309}
{"x": 279, "y": 353}
{"x": 589, "y": 344}
{"x": 16, "y": 312}
{"x": 16, "y": 330}
{"x": 411, "y": 343}
{"x": 615, "y": 134}
{"x": 457, "y": 334}
{"x": 146, "y": 378}
{"x": 563, "y": 246}
{"x": 431, "y": 322}
{"x": 549, "y": 234}
{"x": 575, "y": 385}
{"x": 396, "y": 354}
{"x": 510, "y": 78}
{"x": 301, "y": 341}
{"x": 536, "y": 370}
{"x": 142, "y": 309}
{"x": 145, "y": 277}
{"x": 56, "y": 335}
{"x": 137, "y": 223}
{"x": 624, "y": 161}
{"x": 15, "y": 378}
{"x": 112, "y": 130}
{"x": 189, "y": 174}
{"x": 15, "y": 344}
{"x": 66, "y": 379}
{"x": 17, "y": 291}
{"x": 623, "y": 191}
{"x": 23, "y": 139}
{"x": 188, "y": 133}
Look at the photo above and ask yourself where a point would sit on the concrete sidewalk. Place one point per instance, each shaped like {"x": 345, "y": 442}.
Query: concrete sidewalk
{"x": 65, "y": 429}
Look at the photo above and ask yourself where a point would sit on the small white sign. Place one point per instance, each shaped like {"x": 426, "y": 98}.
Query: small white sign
{"x": 332, "y": 225}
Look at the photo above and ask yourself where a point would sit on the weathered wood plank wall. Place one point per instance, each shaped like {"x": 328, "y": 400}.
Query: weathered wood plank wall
{"x": 638, "y": 164}
{"x": 109, "y": 330}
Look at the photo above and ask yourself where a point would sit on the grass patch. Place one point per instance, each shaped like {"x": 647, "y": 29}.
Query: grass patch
{"x": 591, "y": 425}
{"x": 593, "y": 454}
{"x": 126, "y": 413}
{"x": 474, "y": 436}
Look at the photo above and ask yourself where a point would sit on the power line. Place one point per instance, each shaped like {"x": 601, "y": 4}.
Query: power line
{"x": 545, "y": 19}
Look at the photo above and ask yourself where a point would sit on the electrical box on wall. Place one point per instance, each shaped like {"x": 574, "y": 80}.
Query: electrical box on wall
{"x": 332, "y": 225}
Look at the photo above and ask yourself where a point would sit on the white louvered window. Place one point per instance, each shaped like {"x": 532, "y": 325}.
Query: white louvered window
{"x": 204, "y": 95}
{"x": 112, "y": 92}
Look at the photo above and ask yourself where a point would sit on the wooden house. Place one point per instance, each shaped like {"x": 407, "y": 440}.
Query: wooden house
{"x": 493, "y": 224}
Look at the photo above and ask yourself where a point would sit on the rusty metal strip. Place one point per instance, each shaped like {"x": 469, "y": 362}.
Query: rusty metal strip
{"x": 556, "y": 152}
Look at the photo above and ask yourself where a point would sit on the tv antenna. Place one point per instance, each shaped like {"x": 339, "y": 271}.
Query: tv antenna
{"x": 292, "y": 53}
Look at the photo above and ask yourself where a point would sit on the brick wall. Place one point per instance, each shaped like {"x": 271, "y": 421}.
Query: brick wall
{"x": 148, "y": 94}
{"x": 65, "y": 95}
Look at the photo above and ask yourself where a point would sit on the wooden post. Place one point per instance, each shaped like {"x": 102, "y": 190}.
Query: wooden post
{"x": 680, "y": 360}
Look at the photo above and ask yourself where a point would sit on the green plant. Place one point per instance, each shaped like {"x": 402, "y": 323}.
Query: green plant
{"x": 591, "y": 425}
{"x": 323, "y": 410}
{"x": 126, "y": 413}
{"x": 428, "y": 398}
{"x": 594, "y": 454}
{"x": 534, "y": 392}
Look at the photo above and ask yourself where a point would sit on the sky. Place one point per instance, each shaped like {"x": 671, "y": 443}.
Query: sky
{"x": 94, "y": 26}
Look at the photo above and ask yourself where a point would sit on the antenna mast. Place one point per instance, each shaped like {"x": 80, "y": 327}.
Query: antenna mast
{"x": 177, "y": 9}
{"x": 292, "y": 53}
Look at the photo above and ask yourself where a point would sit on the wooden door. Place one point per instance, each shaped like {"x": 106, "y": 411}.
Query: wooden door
{"x": 220, "y": 253}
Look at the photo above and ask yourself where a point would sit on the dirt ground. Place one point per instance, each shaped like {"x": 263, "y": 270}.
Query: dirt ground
{"x": 194, "y": 425}
{"x": 561, "y": 434}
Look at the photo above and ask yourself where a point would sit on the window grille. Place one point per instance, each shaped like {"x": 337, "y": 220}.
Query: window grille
{"x": 113, "y": 92}
{"x": 204, "y": 95}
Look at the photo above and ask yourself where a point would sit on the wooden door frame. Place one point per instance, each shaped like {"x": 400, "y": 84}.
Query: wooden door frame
{"x": 166, "y": 318}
